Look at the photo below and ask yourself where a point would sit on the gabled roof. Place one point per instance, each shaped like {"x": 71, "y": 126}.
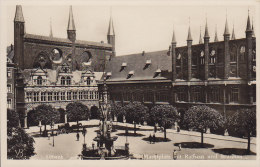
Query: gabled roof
{"x": 65, "y": 40}
{"x": 137, "y": 63}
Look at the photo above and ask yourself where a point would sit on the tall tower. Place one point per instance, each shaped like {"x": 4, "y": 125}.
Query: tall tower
{"x": 206, "y": 50}
{"x": 19, "y": 31}
{"x": 71, "y": 30}
{"x": 173, "y": 52}
{"x": 189, "y": 43}
{"x": 111, "y": 36}
{"x": 226, "y": 51}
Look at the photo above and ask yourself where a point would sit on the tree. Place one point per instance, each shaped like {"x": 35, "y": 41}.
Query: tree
{"x": 244, "y": 119}
{"x": 19, "y": 143}
{"x": 136, "y": 112}
{"x": 116, "y": 110}
{"x": 202, "y": 117}
{"x": 46, "y": 114}
{"x": 165, "y": 116}
{"x": 77, "y": 111}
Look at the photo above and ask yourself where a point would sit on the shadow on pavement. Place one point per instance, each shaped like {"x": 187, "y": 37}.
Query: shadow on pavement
{"x": 130, "y": 134}
{"x": 157, "y": 139}
{"x": 193, "y": 145}
{"x": 235, "y": 151}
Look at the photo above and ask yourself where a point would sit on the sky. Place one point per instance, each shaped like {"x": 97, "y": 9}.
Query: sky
{"x": 138, "y": 27}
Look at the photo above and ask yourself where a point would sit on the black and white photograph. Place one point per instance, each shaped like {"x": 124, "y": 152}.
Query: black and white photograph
{"x": 126, "y": 80}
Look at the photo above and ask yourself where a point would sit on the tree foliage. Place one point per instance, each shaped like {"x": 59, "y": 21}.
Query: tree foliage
{"x": 19, "y": 143}
{"x": 46, "y": 113}
{"x": 245, "y": 120}
{"x": 77, "y": 111}
{"x": 136, "y": 112}
{"x": 165, "y": 116}
{"x": 202, "y": 117}
{"x": 116, "y": 110}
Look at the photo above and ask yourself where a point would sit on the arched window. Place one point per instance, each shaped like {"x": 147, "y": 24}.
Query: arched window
{"x": 68, "y": 80}
{"x": 202, "y": 59}
{"x": 233, "y": 54}
{"x": 88, "y": 81}
{"x": 242, "y": 53}
{"x": 86, "y": 56}
{"x": 62, "y": 80}
{"x": 212, "y": 57}
{"x": 39, "y": 80}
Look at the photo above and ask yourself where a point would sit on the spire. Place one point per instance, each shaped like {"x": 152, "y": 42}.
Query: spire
{"x": 173, "y": 36}
{"x": 226, "y": 32}
{"x": 19, "y": 14}
{"x": 71, "y": 24}
{"x": 248, "y": 25}
{"x": 216, "y": 35}
{"x": 111, "y": 27}
{"x": 51, "y": 35}
{"x": 206, "y": 30}
{"x": 189, "y": 33}
{"x": 200, "y": 40}
{"x": 233, "y": 33}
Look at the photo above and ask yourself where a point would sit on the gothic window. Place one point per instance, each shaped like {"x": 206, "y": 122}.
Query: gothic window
{"x": 88, "y": 81}
{"x": 49, "y": 96}
{"x": 62, "y": 95}
{"x": 9, "y": 88}
{"x": 234, "y": 94}
{"x": 254, "y": 55}
{"x": 62, "y": 80}
{"x": 39, "y": 80}
{"x": 233, "y": 54}
{"x": 215, "y": 94}
{"x": 86, "y": 57}
{"x": 80, "y": 95}
{"x": 91, "y": 95}
{"x": 96, "y": 95}
{"x": 181, "y": 95}
{"x": 202, "y": 59}
{"x": 9, "y": 103}
{"x": 85, "y": 95}
{"x": 9, "y": 73}
{"x": 43, "y": 96}
{"x": 68, "y": 95}
{"x": 178, "y": 60}
{"x": 68, "y": 81}
{"x": 212, "y": 57}
{"x": 161, "y": 97}
{"x": 242, "y": 53}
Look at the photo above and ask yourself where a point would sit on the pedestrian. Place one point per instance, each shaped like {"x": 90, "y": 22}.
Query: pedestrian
{"x": 154, "y": 138}
{"x": 174, "y": 154}
{"x": 77, "y": 136}
{"x": 155, "y": 128}
{"x": 179, "y": 147}
{"x": 150, "y": 138}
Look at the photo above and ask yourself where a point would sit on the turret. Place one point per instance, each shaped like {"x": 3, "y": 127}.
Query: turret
{"x": 233, "y": 36}
{"x": 51, "y": 34}
{"x": 19, "y": 30}
{"x": 206, "y": 50}
{"x": 216, "y": 35}
{"x": 249, "y": 47}
{"x": 71, "y": 30}
{"x": 111, "y": 36}
{"x": 173, "y": 53}
{"x": 189, "y": 43}
{"x": 226, "y": 52}
{"x": 200, "y": 40}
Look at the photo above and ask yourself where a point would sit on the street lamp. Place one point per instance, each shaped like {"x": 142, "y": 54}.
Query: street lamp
{"x": 84, "y": 132}
{"x": 52, "y": 127}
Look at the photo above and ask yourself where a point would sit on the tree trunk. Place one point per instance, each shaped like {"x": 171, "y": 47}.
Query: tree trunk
{"x": 164, "y": 129}
{"x": 248, "y": 143}
{"x": 135, "y": 128}
{"x": 45, "y": 127}
{"x": 202, "y": 144}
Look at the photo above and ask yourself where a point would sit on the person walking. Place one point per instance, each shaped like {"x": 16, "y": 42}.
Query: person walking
{"x": 154, "y": 138}
{"x": 150, "y": 138}
{"x": 174, "y": 154}
{"x": 77, "y": 136}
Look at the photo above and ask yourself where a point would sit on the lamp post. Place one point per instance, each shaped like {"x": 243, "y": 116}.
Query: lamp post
{"x": 84, "y": 132}
{"x": 52, "y": 127}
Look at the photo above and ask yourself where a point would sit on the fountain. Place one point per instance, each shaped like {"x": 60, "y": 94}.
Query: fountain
{"x": 105, "y": 142}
